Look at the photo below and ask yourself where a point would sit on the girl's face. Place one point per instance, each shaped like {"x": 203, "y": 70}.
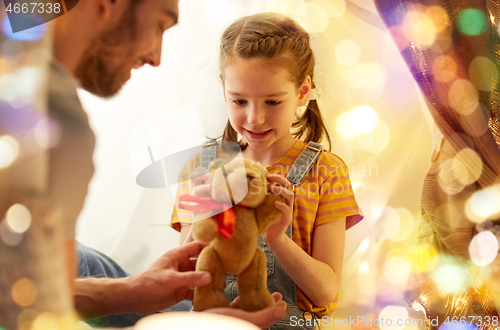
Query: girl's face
{"x": 262, "y": 99}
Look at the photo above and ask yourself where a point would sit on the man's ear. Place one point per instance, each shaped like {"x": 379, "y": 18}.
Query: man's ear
{"x": 108, "y": 7}
{"x": 304, "y": 91}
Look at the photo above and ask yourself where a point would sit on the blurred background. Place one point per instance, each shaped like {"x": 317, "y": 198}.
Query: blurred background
{"x": 374, "y": 112}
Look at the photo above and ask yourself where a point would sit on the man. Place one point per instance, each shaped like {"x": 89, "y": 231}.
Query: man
{"x": 100, "y": 41}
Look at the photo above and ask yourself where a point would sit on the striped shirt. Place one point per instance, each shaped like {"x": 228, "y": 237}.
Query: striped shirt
{"x": 325, "y": 194}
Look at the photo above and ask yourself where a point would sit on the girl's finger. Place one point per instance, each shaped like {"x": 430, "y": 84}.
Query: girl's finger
{"x": 202, "y": 190}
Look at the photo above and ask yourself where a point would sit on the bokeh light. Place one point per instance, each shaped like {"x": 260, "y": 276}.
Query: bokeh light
{"x": 360, "y": 120}
{"x": 24, "y": 292}
{"x": 483, "y": 204}
{"x": 47, "y": 133}
{"x": 18, "y": 218}
{"x": 450, "y": 277}
{"x": 467, "y": 166}
{"x": 368, "y": 80}
{"x": 376, "y": 140}
{"x": 444, "y": 68}
{"x": 312, "y": 17}
{"x": 481, "y": 71}
{"x": 468, "y": 325}
{"x": 471, "y": 21}
{"x": 335, "y": 8}
{"x": 387, "y": 225}
{"x": 22, "y": 83}
{"x": 8, "y": 236}
{"x": 439, "y": 18}
{"x": 393, "y": 313}
{"x": 418, "y": 27}
{"x": 483, "y": 248}
{"x": 463, "y": 97}
{"x": 363, "y": 246}
{"x": 347, "y": 52}
{"x": 407, "y": 224}
{"x": 425, "y": 258}
{"x": 9, "y": 150}
{"x": 397, "y": 270}
{"x": 448, "y": 181}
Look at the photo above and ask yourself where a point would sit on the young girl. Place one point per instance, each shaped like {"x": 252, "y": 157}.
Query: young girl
{"x": 267, "y": 69}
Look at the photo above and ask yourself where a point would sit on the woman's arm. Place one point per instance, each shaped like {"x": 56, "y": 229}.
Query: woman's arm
{"x": 318, "y": 276}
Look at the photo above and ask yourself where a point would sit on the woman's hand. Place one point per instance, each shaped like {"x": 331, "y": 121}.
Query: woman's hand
{"x": 277, "y": 232}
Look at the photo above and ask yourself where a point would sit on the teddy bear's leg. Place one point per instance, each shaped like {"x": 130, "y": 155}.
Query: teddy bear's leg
{"x": 211, "y": 295}
{"x": 252, "y": 284}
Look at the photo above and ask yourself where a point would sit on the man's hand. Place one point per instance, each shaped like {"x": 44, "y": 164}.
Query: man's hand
{"x": 163, "y": 284}
{"x": 169, "y": 280}
{"x": 263, "y": 318}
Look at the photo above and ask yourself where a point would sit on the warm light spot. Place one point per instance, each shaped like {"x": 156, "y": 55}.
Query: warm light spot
{"x": 407, "y": 225}
{"x": 448, "y": 181}
{"x": 9, "y": 150}
{"x": 450, "y": 277}
{"x": 368, "y": 81}
{"x": 471, "y": 21}
{"x": 444, "y": 68}
{"x": 312, "y": 17}
{"x": 467, "y": 166}
{"x": 396, "y": 270}
{"x": 364, "y": 245}
{"x": 391, "y": 312}
{"x": 376, "y": 140}
{"x": 483, "y": 204}
{"x": 463, "y": 97}
{"x": 483, "y": 248}
{"x": 24, "y": 292}
{"x": 18, "y": 218}
{"x": 364, "y": 266}
{"x": 8, "y": 236}
{"x": 333, "y": 8}
{"x": 346, "y": 126}
{"x": 419, "y": 28}
{"x": 347, "y": 52}
{"x": 366, "y": 119}
{"x": 46, "y": 321}
{"x": 481, "y": 71}
{"x": 387, "y": 225}
{"x": 425, "y": 258}
{"x": 439, "y": 17}
{"x": 47, "y": 133}
{"x": 179, "y": 320}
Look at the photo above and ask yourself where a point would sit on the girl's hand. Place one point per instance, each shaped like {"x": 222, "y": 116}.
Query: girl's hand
{"x": 277, "y": 232}
{"x": 199, "y": 179}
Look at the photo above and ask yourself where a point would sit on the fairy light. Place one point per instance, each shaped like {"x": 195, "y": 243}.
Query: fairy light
{"x": 463, "y": 97}
{"x": 418, "y": 27}
{"x": 471, "y": 21}
{"x": 481, "y": 70}
{"x": 347, "y": 52}
{"x": 312, "y": 16}
{"x": 444, "y": 68}
{"x": 18, "y": 218}
{"x": 24, "y": 292}
{"x": 9, "y": 150}
{"x": 450, "y": 277}
{"x": 483, "y": 248}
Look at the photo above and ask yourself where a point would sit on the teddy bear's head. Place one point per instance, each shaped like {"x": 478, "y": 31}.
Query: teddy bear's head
{"x": 242, "y": 179}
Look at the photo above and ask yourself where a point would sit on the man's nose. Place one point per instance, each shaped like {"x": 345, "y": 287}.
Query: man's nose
{"x": 154, "y": 57}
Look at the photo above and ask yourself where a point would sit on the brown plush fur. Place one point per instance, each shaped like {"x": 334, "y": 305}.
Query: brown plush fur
{"x": 238, "y": 255}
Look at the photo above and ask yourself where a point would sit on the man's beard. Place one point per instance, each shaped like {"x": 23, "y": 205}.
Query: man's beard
{"x": 106, "y": 64}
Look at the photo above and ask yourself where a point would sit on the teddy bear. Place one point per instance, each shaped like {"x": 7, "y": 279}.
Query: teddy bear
{"x": 232, "y": 235}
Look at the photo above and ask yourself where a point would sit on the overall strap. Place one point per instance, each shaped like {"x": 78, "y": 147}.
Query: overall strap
{"x": 304, "y": 162}
{"x": 208, "y": 153}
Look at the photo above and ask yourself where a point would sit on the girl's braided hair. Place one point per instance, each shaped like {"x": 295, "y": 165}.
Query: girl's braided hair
{"x": 277, "y": 38}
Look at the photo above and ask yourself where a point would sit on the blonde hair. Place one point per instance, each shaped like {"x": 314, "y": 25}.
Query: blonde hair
{"x": 275, "y": 37}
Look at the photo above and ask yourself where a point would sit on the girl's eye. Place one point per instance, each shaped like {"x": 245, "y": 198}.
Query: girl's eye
{"x": 239, "y": 102}
{"x": 274, "y": 103}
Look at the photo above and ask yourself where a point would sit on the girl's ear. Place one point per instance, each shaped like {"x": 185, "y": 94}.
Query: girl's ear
{"x": 304, "y": 92}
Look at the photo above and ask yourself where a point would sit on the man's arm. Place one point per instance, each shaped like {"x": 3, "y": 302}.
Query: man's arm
{"x": 163, "y": 284}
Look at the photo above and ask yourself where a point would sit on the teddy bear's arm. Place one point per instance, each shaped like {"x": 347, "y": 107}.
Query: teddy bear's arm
{"x": 205, "y": 230}
{"x": 266, "y": 213}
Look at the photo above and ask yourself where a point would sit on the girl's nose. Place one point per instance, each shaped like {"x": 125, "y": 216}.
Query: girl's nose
{"x": 256, "y": 115}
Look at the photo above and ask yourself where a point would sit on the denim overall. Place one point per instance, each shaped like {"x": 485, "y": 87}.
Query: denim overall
{"x": 277, "y": 278}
